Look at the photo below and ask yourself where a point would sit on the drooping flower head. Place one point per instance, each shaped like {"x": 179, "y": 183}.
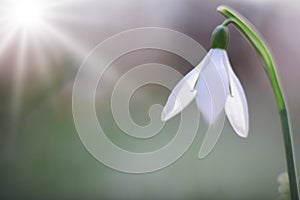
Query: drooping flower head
{"x": 224, "y": 84}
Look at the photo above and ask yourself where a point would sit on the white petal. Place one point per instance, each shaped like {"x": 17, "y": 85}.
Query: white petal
{"x": 212, "y": 136}
{"x": 236, "y": 107}
{"x": 212, "y": 91}
{"x": 212, "y": 87}
{"x": 183, "y": 93}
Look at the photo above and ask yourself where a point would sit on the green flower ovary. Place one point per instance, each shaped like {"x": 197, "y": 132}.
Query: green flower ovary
{"x": 219, "y": 38}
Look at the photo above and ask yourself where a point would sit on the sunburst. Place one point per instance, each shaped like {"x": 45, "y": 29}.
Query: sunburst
{"x": 29, "y": 26}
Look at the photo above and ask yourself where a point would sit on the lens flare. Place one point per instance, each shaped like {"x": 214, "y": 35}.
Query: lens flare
{"x": 27, "y": 14}
{"x": 35, "y": 41}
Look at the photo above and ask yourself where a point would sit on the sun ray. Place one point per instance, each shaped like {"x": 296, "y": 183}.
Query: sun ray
{"x": 40, "y": 57}
{"x": 6, "y": 40}
{"x": 67, "y": 41}
{"x": 35, "y": 28}
{"x": 50, "y": 46}
{"x": 18, "y": 82}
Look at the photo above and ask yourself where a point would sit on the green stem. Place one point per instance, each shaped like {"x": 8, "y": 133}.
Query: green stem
{"x": 246, "y": 28}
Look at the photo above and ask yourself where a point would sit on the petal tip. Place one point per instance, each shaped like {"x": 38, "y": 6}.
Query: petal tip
{"x": 163, "y": 116}
{"x": 243, "y": 133}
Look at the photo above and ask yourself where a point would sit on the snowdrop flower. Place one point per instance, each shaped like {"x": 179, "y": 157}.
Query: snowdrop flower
{"x": 214, "y": 69}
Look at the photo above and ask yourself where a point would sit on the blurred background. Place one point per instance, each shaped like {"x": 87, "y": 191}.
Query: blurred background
{"x": 41, "y": 155}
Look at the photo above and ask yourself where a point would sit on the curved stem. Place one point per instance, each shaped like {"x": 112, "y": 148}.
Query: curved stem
{"x": 264, "y": 54}
{"x": 227, "y": 22}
